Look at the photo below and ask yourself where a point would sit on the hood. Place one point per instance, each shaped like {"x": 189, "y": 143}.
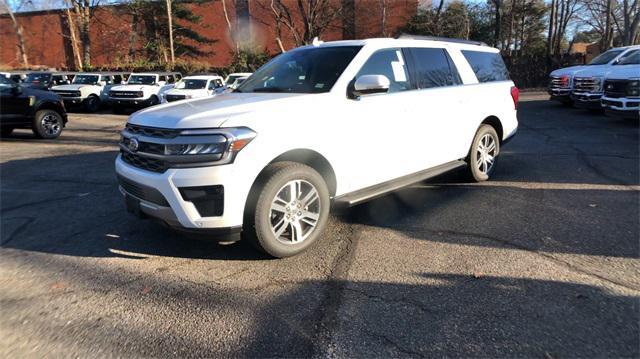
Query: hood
{"x": 573, "y": 69}
{"x": 623, "y": 72}
{"x": 593, "y": 71}
{"x": 133, "y": 87}
{"x": 72, "y": 87}
{"x": 37, "y": 86}
{"x": 210, "y": 112}
{"x": 40, "y": 94}
{"x": 175, "y": 91}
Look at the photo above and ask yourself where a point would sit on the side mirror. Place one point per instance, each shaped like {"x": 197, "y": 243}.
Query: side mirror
{"x": 16, "y": 90}
{"x": 371, "y": 84}
{"x": 102, "y": 83}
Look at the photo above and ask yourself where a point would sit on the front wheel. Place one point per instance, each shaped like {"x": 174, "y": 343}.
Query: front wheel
{"x": 92, "y": 103}
{"x": 483, "y": 153}
{"x": 47, "y": 124}
{"x": 290, "y": 209}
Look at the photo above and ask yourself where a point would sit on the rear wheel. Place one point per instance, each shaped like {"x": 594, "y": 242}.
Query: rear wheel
{"x": 289, "y": 211}
{"x": 47, "y": 124}
{"x": 154, "y": 100}
{"x": 92, "y": 103}
{"x": 483, "y": 154}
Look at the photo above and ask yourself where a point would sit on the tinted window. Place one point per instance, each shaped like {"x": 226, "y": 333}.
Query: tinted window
{"x": 391, "y": 64}
{"x": 488, "y": 66}
{"x": 162, "y": 78}
{"x": 106, "y": 79}
{"x": 604, "y": 58}
{"x": 170, "y": 79}
{"x": 306, "y": 70}
{"x": 117, "y": 79}
{"x": 36, "y": 77}
{"x": 434, "y": 68}
{"x": 630, "y": 58}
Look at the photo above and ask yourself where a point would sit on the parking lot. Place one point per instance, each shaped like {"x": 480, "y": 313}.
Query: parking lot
{"x": 542, "y": 261}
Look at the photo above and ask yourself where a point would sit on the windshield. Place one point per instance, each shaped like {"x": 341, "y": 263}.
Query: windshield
{"x": 232, "y": 78}
{"x": 308, "y": 70}
{"x": 141, "y": 80}
{"x": 85, "y": 79}
{"x": 606, "y": 57}
{"x": 191, "y": 84}
{"x": 630, "y": 58}
{"x": 36, "y": 78}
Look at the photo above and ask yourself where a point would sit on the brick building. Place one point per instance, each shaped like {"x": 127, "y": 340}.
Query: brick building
{"x": 47, "y": 33}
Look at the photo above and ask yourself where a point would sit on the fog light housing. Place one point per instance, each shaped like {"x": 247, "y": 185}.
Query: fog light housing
{"x": 208, "y": 200}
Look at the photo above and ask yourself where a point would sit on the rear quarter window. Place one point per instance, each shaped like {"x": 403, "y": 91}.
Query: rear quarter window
{"x": 488, "y": 66}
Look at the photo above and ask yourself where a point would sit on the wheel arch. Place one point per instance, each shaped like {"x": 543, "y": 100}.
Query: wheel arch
{"x": 494, "y": 122}
{"x": 314, "y": 160}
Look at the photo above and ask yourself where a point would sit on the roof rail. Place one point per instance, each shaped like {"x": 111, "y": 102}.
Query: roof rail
{"x": 438, "y": 38}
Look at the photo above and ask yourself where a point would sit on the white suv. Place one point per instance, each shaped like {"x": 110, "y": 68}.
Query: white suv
{"x": 336, "y": 123}
{"x": 142, "y": 90}
{"x": 622, "y": 88}
{"x": 89, "y": 89}
{"x": 194, "y": 87}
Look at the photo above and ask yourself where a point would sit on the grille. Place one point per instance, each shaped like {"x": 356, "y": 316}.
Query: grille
{"x": 145, "y": 163}
{"x": 557, "y": 83}
{"x": 615, "y": 88}
{"x": 586, "y": 84}
{"x": 171, "y": 98}
{"x": 143, "y": 192}
{"x": 68, "y": 93}
{"x": 124, "y": 94}
{"x": 152, "y": 131}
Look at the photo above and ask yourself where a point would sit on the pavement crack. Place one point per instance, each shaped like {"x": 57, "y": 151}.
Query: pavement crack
{"x": 524, "y": 248}
{"x": 384, "y": 299}
{"x": 394, "y": 344}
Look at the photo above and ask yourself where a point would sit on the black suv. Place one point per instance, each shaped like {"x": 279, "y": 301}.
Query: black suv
{"x": 24, "y": 107}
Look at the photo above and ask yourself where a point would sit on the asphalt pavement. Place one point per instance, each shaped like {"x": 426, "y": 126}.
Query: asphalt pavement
{"x": 542, "y": 261}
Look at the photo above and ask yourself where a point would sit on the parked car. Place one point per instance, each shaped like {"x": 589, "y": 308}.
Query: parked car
{"x": 588, "y": 83}
{"x": 44, "y": 80}
{"x": 142, "y": 90}
{"x": 24, "y": 107}
{"x": 622, "y": 88}
{"x": 561, "y": 80}
{"x": 231, "y": 78}
{"x": 15, "y": 76}
{"x": 318, "y": 125}
{"x": 194, "y": 87}
{"x": 237, "y": 82}
{"x": 89, "y": 90}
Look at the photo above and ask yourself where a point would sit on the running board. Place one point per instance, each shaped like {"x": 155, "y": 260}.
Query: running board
{"x": 369, "y": 193}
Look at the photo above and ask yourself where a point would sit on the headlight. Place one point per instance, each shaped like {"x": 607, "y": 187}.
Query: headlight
{"x": 140, "y": 94}
{"x": 190, "y": 148}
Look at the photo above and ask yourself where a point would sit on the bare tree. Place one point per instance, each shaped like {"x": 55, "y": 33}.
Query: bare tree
{"x": 19, "y": 34}
{"x": 83, "y": 10}
{"x": 170, "y": 20}
{"x": 631, "y": 21}
{"x": 315, "y": 16}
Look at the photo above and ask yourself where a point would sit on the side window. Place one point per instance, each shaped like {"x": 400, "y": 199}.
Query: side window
{"x": 488, "y": 66}
{"x": 117, "y": 79}
{"x": 218, "y": 83}
{"x": 162, "y": 78}
{"x": 106, "y": 79}
{"x": 390, "y": 63}
{"x": 434, "y": 68}
{"x": 177, "y": 76}
{"x": 170, "y": 79}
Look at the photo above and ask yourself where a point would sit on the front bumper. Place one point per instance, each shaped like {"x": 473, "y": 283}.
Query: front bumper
{"x": 72, "y": 101}
{"x": 129, "y": 102}
{"x": 621, "y": 106}
{"x": 587, "y": 100}
{"x": 181, "y": 214}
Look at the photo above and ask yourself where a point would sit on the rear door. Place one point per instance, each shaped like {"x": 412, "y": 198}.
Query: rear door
{"x": 437, "y": 109}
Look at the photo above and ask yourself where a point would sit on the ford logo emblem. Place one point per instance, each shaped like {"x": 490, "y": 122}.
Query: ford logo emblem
{"x": 133, "y": 144}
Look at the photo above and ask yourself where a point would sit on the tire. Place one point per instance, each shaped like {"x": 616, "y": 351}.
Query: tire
{"x": 6, "y": 131}
{"x": 47, "y": 124}
{"x": 153, "y": 100}
{"x": 267, "y": 223}
{"x": 92, "y": 103}
{"x": 480, "y": 166}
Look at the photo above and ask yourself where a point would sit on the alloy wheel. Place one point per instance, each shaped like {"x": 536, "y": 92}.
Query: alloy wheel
{"x": 51, "y": 124}
{"x": 295, "y": 212}
{"x": 486, "y": 153}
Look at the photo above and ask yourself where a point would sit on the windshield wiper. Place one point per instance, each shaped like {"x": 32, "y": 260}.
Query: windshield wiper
{"x": 269, "y": 89}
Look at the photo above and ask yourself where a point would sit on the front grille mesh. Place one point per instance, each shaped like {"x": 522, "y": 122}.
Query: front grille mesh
{"x": 152, "y": 131}
{"x": 557, "y": 83}
{"x": 143, "y": 192}
{"x": 615, "y": 88}
{"x": 145, "y": 163}
{"x": 124, "y": 94}
{"x": 586, "y": 84}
